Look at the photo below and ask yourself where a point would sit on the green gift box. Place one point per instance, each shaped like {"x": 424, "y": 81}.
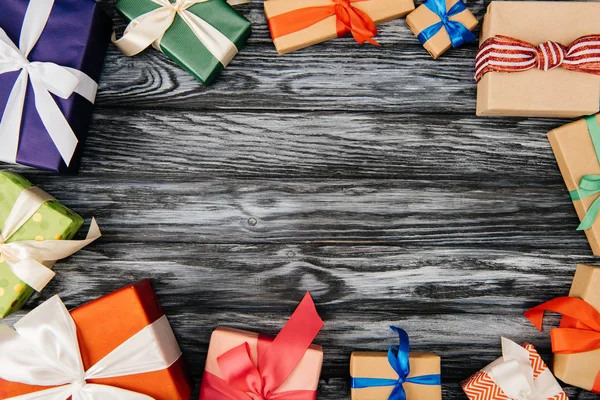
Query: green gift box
{"x": 51, "y": 221}
{"x": 181, "y": 43}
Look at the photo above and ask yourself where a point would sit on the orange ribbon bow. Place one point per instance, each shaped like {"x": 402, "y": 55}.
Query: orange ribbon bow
{"x": 349, "y": 19}
{"x": 579, "y": 330}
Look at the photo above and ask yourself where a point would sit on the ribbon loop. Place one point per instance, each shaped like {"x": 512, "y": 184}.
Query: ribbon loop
{"x": 46, "y": 78}
{"x": 398, "y": 357}
{"x": 26, "y": 258}
{"x": 43, "y": 350}
{"x": 506, "y": 54}
{"x": 459, "y": 34}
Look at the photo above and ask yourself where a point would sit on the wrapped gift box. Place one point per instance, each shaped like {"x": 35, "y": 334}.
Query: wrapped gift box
{"x": 577, "y": 156}
{"x": 554, "y": 93}
{"x": 76, "y": 36}
{"x": 379, "y": 11}
{"x": 376, "y": 365}
{"x": 105, "y": 324}
{"x": 483, "y": 386}
{"x": 423, "y": 18}
{"x": 290, "y": 365}
{"x": 51, "y": 221}
{"x": 581, "y": 369}
{"x": 181, "y": 44}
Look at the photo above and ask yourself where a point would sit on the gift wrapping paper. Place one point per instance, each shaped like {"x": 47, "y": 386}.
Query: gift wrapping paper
{"x": 51, "y": 221}
{"x": 577, "y": 156}
{"x": 105, "y": 324}
{"x": 77, "y": 36}
{"x": 379, "y": 11}
{"x": 179, "y": 42}
{"x": 423, "y": 18}
{"x": 536, "y": 93}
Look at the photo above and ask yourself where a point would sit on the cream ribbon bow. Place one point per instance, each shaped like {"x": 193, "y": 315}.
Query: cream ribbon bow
{"x": 43, "y": 350}
{"x": 46, "y": 78}
{"x": 29, "y": 260}
{"x": 515, "y": 376}
{"x": 148, "y": 29}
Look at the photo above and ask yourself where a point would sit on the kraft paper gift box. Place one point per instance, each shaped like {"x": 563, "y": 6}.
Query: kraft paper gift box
{"x": 520, "y": 373}
{"x": 76, "y": 35}
{"x": 375, "y": 378}
{"x": 51, "y": 221}
{"x": 130, "y": 317}
{"x": 223, "y": 31}
{"x": 434, "y": 28}
{"x": 288, "y": 363}
{"x": 577, "y": 154}
{"x": 294, "y": 26}
{"x": 537, "y": 93}
{"x": 575, "y": 343}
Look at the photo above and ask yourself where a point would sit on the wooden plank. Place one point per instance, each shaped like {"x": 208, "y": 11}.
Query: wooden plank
{"x": 453, "y": 302}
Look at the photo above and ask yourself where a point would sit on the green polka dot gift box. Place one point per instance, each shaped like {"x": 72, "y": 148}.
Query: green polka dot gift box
{"x": 51, "y": 221}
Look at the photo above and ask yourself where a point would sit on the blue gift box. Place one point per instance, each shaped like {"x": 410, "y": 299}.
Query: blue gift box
{"x": 76, "y": 35}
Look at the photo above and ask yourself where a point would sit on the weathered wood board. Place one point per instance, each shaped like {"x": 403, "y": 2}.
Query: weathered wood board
{"x": 358, "y": 173}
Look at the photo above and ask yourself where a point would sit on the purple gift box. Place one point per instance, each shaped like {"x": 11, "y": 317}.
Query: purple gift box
{"x": 76, "y": 35}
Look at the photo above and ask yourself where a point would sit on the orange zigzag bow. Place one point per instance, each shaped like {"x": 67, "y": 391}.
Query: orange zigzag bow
{"x": 349, "y": 19}
{"x": 579, "y": 330}
{"x": 507, "y": 54}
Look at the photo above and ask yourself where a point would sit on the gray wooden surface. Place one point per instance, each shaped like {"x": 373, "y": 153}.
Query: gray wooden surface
{"x": 358, "y": 173}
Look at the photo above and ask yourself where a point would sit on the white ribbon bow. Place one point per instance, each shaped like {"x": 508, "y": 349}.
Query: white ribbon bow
{"x": 148, "y": 29}
{"x": 515, "y": 376}
{"x": 30, "y": 260}
{"x": 43, "y": 350}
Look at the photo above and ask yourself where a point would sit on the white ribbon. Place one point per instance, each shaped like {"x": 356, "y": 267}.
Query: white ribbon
{"x": 515, "y": 376}
{"x": 46, "y": 79}
{"x": 30, "y": 260}
{"x": 148, "y": 29}
{"x": 43, "y": 350}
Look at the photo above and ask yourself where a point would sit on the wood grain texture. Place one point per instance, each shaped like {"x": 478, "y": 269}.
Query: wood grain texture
{"x": 358, "y": 173}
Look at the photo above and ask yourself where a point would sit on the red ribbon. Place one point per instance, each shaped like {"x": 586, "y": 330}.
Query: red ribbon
{"x": 277, "y": 359}
{"x": 579, "y": 330}
{"x": 349, "y": 19}
{"x": 507, "y": 54}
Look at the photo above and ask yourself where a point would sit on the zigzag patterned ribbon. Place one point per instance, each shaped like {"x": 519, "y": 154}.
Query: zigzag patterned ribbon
{"x": 507, "y": 54}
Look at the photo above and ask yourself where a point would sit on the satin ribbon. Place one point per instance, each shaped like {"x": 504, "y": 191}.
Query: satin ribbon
{"x": 398, "y": 359}
{"x": 507, "y": 54}
{"x": 579, "y": 331}
{"x": 349, "y": 19}
{"x": 514, "y": 374}
{"x": 26, "y": 259}
{"x": 589, "y": 185}
{"x": 43, "y": 350}
{"x": 148, "y": 29}
{"x": 46, "y": 79}
{"x": 459, "y": 34}
{"x": 243, "y": 379}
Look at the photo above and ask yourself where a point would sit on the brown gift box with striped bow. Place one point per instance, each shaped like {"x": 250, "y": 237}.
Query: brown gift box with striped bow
{"x": 537, "y": 93}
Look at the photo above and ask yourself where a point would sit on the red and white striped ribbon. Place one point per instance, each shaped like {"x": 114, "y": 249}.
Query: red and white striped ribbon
{"x": 506, "y": 54}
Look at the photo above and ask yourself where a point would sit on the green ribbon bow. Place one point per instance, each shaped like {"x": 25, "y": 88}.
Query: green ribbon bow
{"x": 589, "y": 185}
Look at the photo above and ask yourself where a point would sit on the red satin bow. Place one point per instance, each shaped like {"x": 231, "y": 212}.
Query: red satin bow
{"x": 277, "y": 359}
{"x": 349, "y": 19}
{"x": 507, "y": 54}
{"x": 579, "y": 329}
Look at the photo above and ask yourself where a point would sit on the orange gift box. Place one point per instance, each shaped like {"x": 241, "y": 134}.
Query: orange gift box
{"x": 106, "y": 323}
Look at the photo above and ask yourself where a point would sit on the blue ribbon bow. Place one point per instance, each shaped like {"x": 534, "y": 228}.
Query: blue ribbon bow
{"x": 459, "y": 34}
{"x": 398, "y": 359}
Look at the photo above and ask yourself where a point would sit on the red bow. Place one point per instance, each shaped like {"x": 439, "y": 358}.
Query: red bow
{"x": 277, "y": 359}
{"x": 579, "y": 329}
{"x": 506, "y": 54}
{"x": 348, "y": 19}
